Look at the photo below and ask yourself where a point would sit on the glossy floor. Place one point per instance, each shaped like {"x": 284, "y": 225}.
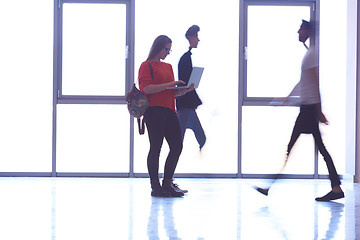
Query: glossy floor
{"x": 122, "y": 208}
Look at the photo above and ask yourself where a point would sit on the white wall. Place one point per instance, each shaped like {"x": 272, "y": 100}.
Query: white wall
{"x": 351, "y": 86}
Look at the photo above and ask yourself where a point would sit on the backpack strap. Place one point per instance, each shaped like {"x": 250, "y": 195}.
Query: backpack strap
{"x": 151, "y": 70}
{"x": 141, "y": 125}
{"x": 140, "y": 120}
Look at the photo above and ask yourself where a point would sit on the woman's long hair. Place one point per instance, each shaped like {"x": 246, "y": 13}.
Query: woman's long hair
{"x": 159, "y": 43}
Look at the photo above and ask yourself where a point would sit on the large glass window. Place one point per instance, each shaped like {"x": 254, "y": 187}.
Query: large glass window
{"x": 92, "y": 138}
{"x": 91, "y": 61}
{"x": 266, "y": 132}
{"x": 26, "y": 53}
{"x": 94, "y": 48}
{"x": 273, "y": 51}
{"x": 218, "y": 53}
{"x": 273, "y": 58}
{"x": 93, "y": 127}
{"x": 333, "y": 65}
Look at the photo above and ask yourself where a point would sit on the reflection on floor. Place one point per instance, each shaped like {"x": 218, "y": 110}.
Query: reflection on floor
{"x": 121, "y": 208}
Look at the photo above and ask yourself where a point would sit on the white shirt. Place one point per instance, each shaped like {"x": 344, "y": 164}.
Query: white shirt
{"x": 308, "y": 87}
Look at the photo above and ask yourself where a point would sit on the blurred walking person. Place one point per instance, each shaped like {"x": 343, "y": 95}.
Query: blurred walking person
{"x": 310, "y": 112}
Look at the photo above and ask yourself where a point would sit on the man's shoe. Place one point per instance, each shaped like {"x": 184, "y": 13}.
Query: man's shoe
{"x": 330, "y": 196}
{"x": 264, "y": 191}
{"x": 177, "y": 188}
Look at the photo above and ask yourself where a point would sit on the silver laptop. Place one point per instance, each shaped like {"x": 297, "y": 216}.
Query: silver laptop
{"x": 195, "y": 77}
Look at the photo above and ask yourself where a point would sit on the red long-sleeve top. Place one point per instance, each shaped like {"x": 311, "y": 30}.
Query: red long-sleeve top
{"x": 162, "y": 73}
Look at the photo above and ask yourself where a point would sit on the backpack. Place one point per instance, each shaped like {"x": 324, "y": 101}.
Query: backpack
{"x": 137, "y": 103}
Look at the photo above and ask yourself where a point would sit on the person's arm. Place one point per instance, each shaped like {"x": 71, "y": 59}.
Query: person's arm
{"x": 155, "y": 88}
{"x": 146, "y": 81}
{"x": 181, "y": 92}
{"x": 295, "y": 91}
{"x": 280, "y": 101}
{"x": 185, "y": 67}
{"x": 321, "y": 115}
{"x": 315, "y": 72}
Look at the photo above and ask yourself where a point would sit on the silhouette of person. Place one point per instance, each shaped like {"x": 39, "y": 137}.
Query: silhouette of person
{"x": 310, "y": 112}
{"x": 155, "y": 76}
{"x": 186, "y": 104}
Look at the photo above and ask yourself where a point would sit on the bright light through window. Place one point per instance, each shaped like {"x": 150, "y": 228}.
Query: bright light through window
{"x": 93, "y": 63}
{"x": 274, "y": 53}
{"x": 94, "y": 49}
{"x": 26, "y": 76}
{"x": 217, "y": 52}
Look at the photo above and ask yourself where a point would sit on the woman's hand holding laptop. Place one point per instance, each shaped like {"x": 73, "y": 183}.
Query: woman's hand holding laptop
{"x": 183, "y": 91}
{"x": 178, "y": 82}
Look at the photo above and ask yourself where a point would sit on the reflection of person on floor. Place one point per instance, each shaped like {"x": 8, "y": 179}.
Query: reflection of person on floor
{"x": 336, "y": 209}
{"x": 310, "y": 112}
{"x": 169, "y": 221}
{"x": 186, "y": 105}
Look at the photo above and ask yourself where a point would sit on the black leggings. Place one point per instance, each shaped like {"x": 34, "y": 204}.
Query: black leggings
{"x": 163, "y": 123}
{"x": 307, "y": 122}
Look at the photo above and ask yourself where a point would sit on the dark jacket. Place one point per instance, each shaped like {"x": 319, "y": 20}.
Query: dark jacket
{"x": 190, "y": 99}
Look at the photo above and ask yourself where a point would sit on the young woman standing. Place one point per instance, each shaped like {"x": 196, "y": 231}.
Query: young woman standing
{"x": 155, "y": 76}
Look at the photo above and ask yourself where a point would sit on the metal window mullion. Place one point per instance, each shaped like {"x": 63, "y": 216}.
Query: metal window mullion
{"x": 129, "y": 80}
{"x": 242, "y": 82}
{"x": 57, "y": 41}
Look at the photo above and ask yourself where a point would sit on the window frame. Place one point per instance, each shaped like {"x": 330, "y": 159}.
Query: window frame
{"x": 314, "y": 16}
{"x": 244, "y": 100}
{"x": 59, "y": 98}
{"x": 58, "y": 37}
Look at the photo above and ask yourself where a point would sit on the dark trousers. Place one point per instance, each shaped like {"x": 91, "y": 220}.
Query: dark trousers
{"x": 308, "y": 122}
{"x": 162, "y": 123}
{"x": 189, "y": 119}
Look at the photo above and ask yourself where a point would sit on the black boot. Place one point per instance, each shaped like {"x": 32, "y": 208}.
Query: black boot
{"x": 167, "y": 185}
{"x": 158, "y": 190}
